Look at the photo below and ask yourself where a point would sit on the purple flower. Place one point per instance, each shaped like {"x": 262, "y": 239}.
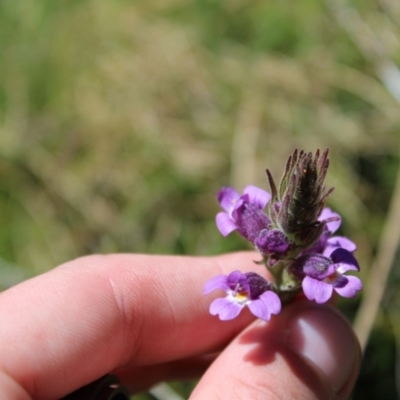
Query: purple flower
{"x": 335, "y": 242}
{"x": 244, "y": 213}
{"x": 327, "y": 243}
{"x": 321, "y": 275}
{"x": 249, "y": 289}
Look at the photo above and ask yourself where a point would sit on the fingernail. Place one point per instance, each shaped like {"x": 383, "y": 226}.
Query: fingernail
{"x": 324, "y": 337}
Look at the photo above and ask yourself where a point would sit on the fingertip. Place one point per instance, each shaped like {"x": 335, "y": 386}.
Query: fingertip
{"x": 309, "y": 351}
{"x": 322, "y": 335}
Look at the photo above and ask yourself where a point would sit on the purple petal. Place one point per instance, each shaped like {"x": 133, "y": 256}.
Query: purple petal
{"x": 339, "y": 281}
{"x": 342, "y": 256}
{"x": 225, "y": 224}
{"x": 339, "y": 242}
{"x": 257, "y": 196}
{"x": 250, "y": 219}
{"x": 227, "y": 198}
{"x": 218, "y": 282}
{"x": 268, "y": 303}
{"x": 257, "y": 285}
{"x": 225, "y": 308}
{"x": 315, "y": 266}
{"x": 328, "y": 213}
{"x": 235, "y": 278}
{"x": 342, "y": 268}
{"x": 316, "y": 290}
{"x": 352, "y": 287}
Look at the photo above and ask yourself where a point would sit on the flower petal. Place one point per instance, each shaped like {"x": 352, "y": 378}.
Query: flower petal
{"x": 336, "y": 242}
{"x": 257, "y": 285}
{"x": 218, "y": 282}
{"x": 328, "y": 213}
{"x": 225, "y": 308}
{"x": 342, "y": 256}
{"x": 315, "y": 266}
{"x": 268, "y": 303}
{"x": 257, "y": 196}
{"x": 316, "y": 290}
{"x": 227, "y": 198}
{"x": 250, "y": 219}
{"x": 235, "y": 278}
{"x": 342, "y": 268}
{"x": 225, "y": 224}
{"x": 339, "y": 281}
{"x": 352, "y": 287}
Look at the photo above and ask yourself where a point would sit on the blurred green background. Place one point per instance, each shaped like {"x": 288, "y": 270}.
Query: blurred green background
{"x": 119, "y": 122}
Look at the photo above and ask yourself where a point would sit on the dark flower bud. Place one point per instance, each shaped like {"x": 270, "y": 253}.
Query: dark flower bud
{"x": 272, "y": 242}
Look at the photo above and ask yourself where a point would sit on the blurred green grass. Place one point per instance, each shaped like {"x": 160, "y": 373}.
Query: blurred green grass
{"x": 119, "y": 121}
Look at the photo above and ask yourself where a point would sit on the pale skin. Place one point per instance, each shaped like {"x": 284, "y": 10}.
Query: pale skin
{"x": 144, "y": 318}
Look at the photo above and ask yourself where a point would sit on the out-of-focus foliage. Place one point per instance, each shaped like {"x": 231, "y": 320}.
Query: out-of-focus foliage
{"x": 119, "y": 121}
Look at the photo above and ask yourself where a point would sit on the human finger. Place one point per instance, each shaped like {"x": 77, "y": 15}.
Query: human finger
{"x": 307, "y": 352}
{"x": 139, "y": 379}
{"x": 70, "y": 326}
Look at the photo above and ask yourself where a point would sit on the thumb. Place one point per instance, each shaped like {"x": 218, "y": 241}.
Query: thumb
{"x": 307, "y": 352}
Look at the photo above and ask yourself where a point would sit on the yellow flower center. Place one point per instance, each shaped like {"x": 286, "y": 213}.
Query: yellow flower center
{"x": 242, "y": 296}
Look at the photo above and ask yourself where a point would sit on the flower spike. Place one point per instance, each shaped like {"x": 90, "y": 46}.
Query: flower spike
{"x": 294, "y": 233}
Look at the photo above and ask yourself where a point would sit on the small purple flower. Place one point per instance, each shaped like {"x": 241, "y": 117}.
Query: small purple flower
{"x": 244, "y": 213}
{"x": 321, "y": 275}
{"x": 327, "y": 243}
{"x": 249, "y": 289}
{"x": 335, "y": 242}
